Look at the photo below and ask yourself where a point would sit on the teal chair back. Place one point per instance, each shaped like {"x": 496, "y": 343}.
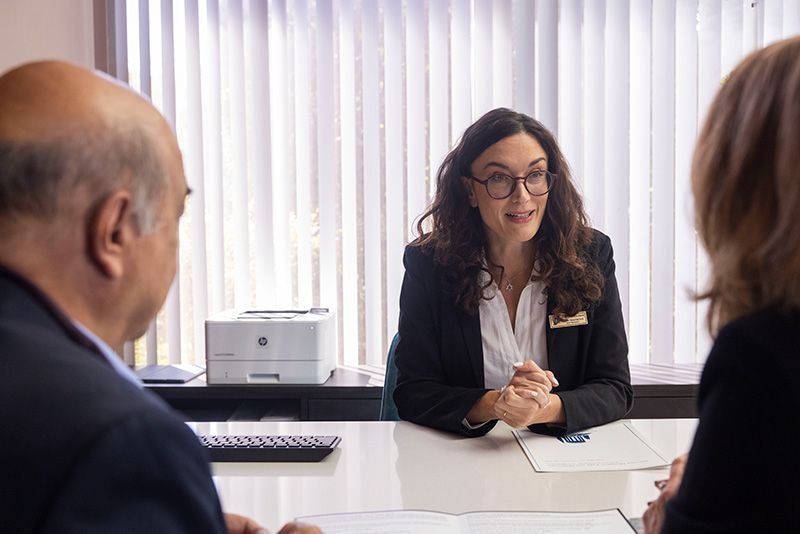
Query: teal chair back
{"x": 388, "y": 408}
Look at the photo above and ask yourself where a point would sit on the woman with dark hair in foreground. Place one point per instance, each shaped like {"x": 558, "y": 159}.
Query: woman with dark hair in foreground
{"x": 743, "y": 469}
{"x": 509, "y": 308}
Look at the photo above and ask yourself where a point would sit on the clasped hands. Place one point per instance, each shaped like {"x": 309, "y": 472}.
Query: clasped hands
{"x": 526, "y": 399}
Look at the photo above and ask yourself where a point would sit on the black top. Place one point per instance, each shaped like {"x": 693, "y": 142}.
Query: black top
{"x": 743, "y": 473}
{"x": 83, "y": 449}
{"x": 440, "y": 354}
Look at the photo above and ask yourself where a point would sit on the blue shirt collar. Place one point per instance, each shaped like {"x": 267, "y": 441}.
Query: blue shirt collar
{"x": 113, "y": 358}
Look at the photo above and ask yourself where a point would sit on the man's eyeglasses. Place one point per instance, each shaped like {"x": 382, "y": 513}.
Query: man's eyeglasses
{"x": 500, "y": 186}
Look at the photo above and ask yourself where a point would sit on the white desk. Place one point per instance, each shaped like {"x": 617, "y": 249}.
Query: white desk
{"x": 387, "y": 465}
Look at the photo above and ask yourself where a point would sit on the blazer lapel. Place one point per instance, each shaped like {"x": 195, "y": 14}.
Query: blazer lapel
{"x": 562, "y": 347}
{"x": 553, "y": 360}
{"x": 471, "y": 329}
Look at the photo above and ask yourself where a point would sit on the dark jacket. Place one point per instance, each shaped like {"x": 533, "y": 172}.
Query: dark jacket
{"x": 81, "y": 448}
{"x": 743, "y": 470}
{"x": 440, "y": 354}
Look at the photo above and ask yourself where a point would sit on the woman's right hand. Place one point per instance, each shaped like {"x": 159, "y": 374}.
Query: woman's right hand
{"x": 529, "y": 377}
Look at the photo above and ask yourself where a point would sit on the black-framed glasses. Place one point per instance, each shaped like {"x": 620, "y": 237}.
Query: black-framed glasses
{"x": 500, "y": 186}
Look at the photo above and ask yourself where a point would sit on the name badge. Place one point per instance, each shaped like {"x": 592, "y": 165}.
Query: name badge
{"x": 578, "y": 319}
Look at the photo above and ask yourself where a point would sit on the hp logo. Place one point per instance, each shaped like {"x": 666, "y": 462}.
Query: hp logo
{"x": 262, "y": 341}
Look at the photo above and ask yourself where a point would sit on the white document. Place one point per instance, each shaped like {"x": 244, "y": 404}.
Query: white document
{"x": 613, "y": 447}
{"x": 424, "y": 522}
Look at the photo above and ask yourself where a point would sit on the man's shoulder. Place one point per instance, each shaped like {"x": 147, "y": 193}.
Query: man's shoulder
{"x": 65, "y": 407}
{"x": 61, "y": 396}
{"x": 138, "y": 462}
{"x": 149, "y": 431}
{"x": 46, "y": 361}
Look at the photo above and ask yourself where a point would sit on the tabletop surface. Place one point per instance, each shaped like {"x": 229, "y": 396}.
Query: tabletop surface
{"x": 400, "y": 465}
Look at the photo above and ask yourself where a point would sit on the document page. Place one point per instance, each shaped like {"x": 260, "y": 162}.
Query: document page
{"x": 602, "y": 522}
{"x": 424, "y": 522}
{"x": 613, "y": 447}
{"x": 386, "y": 522}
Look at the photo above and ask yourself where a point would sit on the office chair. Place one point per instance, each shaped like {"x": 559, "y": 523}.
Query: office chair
{"x": 388, "y": 408}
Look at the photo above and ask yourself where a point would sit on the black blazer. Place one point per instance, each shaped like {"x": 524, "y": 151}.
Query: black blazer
{"x": 440, "y": 355}
{"x": 81, "y": 448}
{"x": 743, "y": 472}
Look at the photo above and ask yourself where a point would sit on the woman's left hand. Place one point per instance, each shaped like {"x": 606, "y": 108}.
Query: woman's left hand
{"x": 653, "y": 517}
{"x": 518, "y": 409}
{"x": 239, "y": 524}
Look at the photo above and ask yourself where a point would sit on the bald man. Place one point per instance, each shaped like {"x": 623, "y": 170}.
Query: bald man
{"x": 91, "y": 190}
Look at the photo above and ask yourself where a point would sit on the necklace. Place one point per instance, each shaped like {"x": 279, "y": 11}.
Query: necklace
{"x": 507, "y": 282}
{"x": 508, "y": 285}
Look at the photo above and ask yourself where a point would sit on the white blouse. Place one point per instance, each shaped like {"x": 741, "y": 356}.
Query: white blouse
{"x": 503, "y": 346}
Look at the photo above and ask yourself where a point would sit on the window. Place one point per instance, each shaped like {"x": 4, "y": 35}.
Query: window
{"x": 312, "y": 131}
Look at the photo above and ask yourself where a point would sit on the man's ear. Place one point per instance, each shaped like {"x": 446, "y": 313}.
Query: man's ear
{"x": 111, "y": 229}
{"x": 469, "y": 185}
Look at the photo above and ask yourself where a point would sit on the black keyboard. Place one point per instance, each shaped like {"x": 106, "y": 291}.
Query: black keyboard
{"x": 269, "y": 448}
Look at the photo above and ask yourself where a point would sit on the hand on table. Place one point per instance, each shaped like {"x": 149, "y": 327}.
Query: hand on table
{"x": 299, "y": 528}
{"x": 238, "y": 524}
{"x": 653, "y": 517}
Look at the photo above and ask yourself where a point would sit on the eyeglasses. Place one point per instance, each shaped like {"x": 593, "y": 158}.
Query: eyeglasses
{"x": 500, "y": 186}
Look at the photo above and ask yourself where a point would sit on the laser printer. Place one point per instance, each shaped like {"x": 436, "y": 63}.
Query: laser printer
{"x": 271, "y": 346}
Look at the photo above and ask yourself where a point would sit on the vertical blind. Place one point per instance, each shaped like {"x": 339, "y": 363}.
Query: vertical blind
{"x": 312, "y": 131}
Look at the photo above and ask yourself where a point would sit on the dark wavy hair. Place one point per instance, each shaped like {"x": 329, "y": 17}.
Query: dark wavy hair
{"x": 572, "y": 279}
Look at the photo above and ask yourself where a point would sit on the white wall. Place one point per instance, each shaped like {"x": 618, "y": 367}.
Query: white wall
{"x": 46, "y": 29}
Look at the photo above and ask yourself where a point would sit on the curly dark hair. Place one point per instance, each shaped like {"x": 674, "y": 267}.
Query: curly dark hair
{"x": 572, "y": 279}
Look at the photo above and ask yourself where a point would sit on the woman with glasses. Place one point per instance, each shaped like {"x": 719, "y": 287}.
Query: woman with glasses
{"x": 742, "y": 471}
{"x": 509, "y": 308}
